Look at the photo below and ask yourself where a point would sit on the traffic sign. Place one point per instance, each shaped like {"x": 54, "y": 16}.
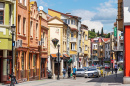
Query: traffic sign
{"x": 112, "y": 61}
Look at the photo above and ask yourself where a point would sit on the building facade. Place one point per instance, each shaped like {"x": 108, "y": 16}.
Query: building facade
{"x": 7, "y": 18}
{"x": 74, "y": 24}
{"x": 57, "y": 35}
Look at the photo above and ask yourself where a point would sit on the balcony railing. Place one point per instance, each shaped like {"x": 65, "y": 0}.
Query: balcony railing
{"x": 73, "y": 39}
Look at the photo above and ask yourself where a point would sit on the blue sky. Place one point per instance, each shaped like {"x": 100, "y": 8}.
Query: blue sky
{"x": 95, "y": 13}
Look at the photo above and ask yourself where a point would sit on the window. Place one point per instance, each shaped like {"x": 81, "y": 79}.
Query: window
{"x": 85, "y": 47}
{"x": 36, "y": 30}
{"x": 19, "y": 23}
{"x": 10, "y": 14}
{"x": 72, "y": 34}
{"x": 72, "y": 21}
{"x": 31, "y": 28}
{"x": 1, "y": 13}
{"x": 68, "y": 21}
{"x": 24, "y": 26}
{"x": 72, "y": 46}
{"x": 86, "y": 37}
{"x": 24, "y": 2}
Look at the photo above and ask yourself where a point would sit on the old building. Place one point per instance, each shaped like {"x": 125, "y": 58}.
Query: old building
{"x": 7, "y": 18}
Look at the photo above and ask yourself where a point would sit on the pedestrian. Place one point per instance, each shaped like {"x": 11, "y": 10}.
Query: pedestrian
{"x": 116, "y": 68}
{"x": 14, "y": 78}
{"x": 64, "y": 72}
{"x": 69, "y": 71}
{"x": 74, "y": 72}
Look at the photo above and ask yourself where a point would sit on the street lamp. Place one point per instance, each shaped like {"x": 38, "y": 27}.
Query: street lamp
{"x": 12, "y": 77}
{"x": 58, "y": 62}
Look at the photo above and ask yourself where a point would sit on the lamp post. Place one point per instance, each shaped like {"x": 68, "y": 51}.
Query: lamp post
{"x": 12, "y": 77}
{"x": 58, "y": 62}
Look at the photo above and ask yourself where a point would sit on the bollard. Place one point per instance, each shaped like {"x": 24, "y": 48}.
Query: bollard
{"x": 54, "y": 76}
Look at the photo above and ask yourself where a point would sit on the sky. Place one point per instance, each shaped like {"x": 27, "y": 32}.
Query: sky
{"x": 94, "y": 13}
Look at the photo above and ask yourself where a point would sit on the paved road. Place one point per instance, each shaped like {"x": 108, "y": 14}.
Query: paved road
{"x": 110, "y": 80}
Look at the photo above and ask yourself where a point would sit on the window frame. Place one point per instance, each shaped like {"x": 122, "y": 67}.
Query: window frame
{"x": 86, "y": 47}
{"x": 3, "y": 12}
{"x": 24, "y": 26}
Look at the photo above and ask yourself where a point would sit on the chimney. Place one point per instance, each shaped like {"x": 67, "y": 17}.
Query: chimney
{"x": 68, "y": 13}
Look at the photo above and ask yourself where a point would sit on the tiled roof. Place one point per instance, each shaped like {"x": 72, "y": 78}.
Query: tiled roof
{"x": 74, "y": 29}
{"x": 105, "y": 39}
{"x": 64, "y": 14}
{"x": 54, "y": 55}
{"x": 66, "y": 55}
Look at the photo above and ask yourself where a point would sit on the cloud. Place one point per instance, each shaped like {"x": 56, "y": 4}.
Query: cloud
{"x": 105, "y": 14}
{"x": 85, "y": 14}
{"x": 93, "y": 25}
{"x": 41, "y": 2}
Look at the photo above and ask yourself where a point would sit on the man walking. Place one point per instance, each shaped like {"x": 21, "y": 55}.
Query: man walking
{"x": 69, "y": 71}
{"x": 116, "y": 68}
{"x": 74, "y": 72}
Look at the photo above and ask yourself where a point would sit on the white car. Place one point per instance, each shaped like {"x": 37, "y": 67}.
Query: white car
{"x": 91, "y": 72}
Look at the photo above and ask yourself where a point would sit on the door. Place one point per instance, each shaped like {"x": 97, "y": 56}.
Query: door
{"x": 56, "y": 68}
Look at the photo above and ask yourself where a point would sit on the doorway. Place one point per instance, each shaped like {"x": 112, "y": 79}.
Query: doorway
{"x": 56, "y": 68}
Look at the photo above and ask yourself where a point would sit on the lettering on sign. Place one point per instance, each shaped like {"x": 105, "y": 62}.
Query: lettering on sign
{"x": 57, "y": 31}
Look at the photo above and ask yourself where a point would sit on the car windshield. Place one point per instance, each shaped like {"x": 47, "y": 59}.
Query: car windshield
{"x": 91, "y": 69}
{"x": 80, "y": 69}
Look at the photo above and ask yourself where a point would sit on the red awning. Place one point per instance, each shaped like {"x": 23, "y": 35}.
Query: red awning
{"x": 54, "y": 55}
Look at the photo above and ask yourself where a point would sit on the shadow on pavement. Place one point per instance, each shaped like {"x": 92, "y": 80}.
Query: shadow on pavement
{"x": 109, "y": 79}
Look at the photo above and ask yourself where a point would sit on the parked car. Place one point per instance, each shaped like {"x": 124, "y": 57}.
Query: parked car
{"x": 91, "y": 72}
{"x": 85, "y": 68}
{"x": 107, "y": 67}
{"x": 80, "y": 72}
{"x": 49, "y": 74}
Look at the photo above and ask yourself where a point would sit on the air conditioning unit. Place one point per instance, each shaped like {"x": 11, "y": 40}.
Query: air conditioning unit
{"x": 19, "y": 43}
{"x": 16, "y": 44}
{"x": 39, "y": 43}
{"x": 42, "y": 40}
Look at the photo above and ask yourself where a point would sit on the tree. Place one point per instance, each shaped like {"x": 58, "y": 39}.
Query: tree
{"x": 102, "y": 34}
{"x": 91, "y": 34}
{"x": 108, "y": 35}
{"x": 98, "y": 33}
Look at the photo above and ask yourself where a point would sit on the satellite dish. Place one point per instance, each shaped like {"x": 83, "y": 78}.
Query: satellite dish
{"x": 41, "y": 7}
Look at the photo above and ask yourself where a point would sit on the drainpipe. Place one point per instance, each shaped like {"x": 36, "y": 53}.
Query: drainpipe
{"x": 28, "y": 40}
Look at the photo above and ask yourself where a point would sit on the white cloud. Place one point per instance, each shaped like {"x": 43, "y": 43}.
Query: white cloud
{"x": 106, "y": 14}
{"x": 93, "y": 25}
{"x": 85, "y": 14}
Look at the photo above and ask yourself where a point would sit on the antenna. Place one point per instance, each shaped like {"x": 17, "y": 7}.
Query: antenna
{"x": 41, "y": 7}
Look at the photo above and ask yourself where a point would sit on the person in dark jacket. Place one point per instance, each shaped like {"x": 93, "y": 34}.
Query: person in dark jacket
{"x": 69, "y": 71}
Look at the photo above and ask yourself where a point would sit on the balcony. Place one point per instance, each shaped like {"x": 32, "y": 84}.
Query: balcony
{"x": 120, "y": 48}
{"x": 73, "y": 39}
{"x": 94, "y": 54}
{"x": 121, "y": 39}
{"x": 95, "y": 59}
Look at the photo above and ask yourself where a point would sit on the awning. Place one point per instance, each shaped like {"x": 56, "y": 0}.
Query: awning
{"x": 54, "y": 56}
{"x": 65, "y": 55}
{"x": 70, "y": 61}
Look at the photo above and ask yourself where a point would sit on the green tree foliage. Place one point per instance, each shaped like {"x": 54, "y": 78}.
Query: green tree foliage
{"x": 108, "y": 35}
{"x": 98, "y": 34}
{"x": 102, "y": 33}
{"x": 91, "y": 34}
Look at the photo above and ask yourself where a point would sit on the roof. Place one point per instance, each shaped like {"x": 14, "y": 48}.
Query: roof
{"x": 66, "y": 55}
{"x": 105, "y": 39}
{"x": 86, "y": 27}
{"x": 54, "y": 56}
{"x": 65, "y": 14}
{"x": 74, "y": 29}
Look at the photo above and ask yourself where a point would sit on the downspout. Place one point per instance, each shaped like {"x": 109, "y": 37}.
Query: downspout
{"x": 28, "y": 40}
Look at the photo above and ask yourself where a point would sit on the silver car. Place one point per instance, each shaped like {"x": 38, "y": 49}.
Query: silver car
{"x": 80, "y": 72}
{"x": 91, "y": 72}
